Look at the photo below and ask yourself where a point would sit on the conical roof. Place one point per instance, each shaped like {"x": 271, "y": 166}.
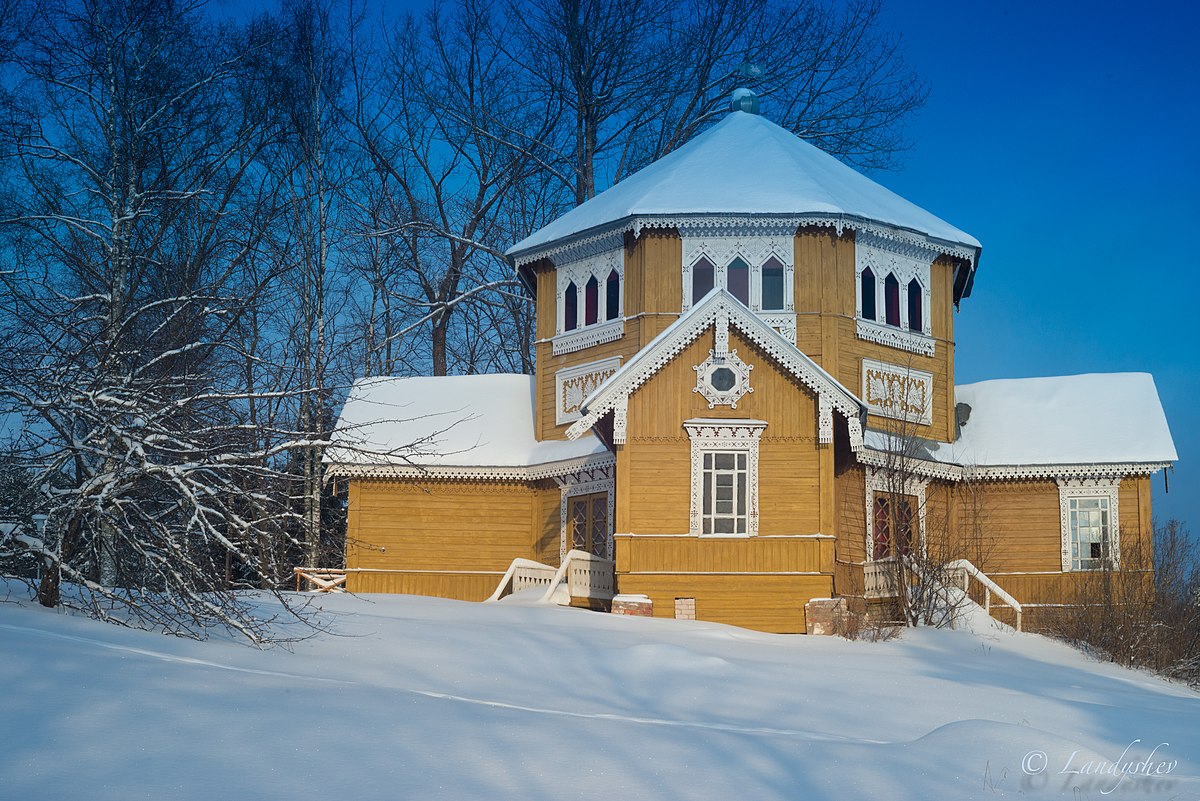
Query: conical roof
{"x": 746, "y": 165}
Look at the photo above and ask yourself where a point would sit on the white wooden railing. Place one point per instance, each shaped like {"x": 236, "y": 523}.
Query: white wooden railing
{"x": 879, "y": 581}
{"x": 964, "y": 572}
{"x": 582, "y": 575}
{"x": 322, "y": 579}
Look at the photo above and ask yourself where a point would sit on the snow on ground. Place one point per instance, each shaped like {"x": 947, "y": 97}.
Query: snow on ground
{"x": 425, "y": 698}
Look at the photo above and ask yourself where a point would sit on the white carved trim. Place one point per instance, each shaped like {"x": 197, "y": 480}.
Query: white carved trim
{"x": 575, "y": 248}
{"x": 620, "y": 420}
{"x": 824, "y": 420}
{"x": 461, "y": 473}
{"x": 615, "y": 231}
{"x": 572, "y": 385}
{"x": 898, "y": 338}
{"x": 906, "y": 261}
{"x": 886, "y": 482}
{"x": 784, "y": 323}
{"x": 590, "y": 482}
{"x": 723, "y": 435}
{"x": 1107, "y": 488}
{"x": 722, "y": 244}
{"x": 723, "y": 397}
{"x": 951, "y": 471}
{"x": 587, "y": 337}
{"x": 901, "y": 393}
{"x": 686, "y": 330}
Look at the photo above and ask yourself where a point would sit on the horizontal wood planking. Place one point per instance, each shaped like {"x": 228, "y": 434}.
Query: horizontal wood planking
{"x": 692, "y": 554}
{"x": 439, "y": 525}
{"x": 766, "y": 603}
{"x": 459, "y": 586}
{"x": 658, "y": 451}
{"x": 850, "y": 487}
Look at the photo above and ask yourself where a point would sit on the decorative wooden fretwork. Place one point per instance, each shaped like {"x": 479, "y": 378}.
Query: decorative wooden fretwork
{"x": 900, "y": 393}
{"x": 573, "y": 385}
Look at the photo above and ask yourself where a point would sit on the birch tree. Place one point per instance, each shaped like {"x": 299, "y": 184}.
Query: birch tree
{"x": 136, "y": 136}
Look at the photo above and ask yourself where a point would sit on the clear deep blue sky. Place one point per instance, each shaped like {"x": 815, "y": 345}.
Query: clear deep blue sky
{"x": 1064, "y": 137}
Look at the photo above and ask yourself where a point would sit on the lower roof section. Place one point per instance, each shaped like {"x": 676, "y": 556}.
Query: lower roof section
{"x": 1039, "y": 426}
{"x": 477, "y": 426}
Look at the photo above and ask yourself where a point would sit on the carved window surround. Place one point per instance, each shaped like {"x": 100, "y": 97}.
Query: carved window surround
{"x": 885, "y": 481}
{"x": 598, "y": 262}
{"x": 906, "y": 261}
{"x": 720, "y": 245}
{"x": 710, "y": 436}
{"x": 572, "y": 385}
{"x": 586, "y": 482}
{"x": 1106, "y": 489}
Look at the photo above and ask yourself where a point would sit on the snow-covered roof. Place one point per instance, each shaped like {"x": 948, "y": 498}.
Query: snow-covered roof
{"x": 1092, "y": 419}
{"x": 435, "y": 423}
{"x": 746, "y": 165}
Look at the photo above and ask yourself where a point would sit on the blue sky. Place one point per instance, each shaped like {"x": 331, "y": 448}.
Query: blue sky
{"x": 1063, "y": 137}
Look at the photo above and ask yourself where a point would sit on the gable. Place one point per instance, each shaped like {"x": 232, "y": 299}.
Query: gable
{"x": 718, "y": 314}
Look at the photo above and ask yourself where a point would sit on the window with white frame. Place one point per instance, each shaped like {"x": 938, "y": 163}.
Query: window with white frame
{"x": 591, "y": 300}
{"x": 756, "y": 268}
{"x": 893, "y": 293}
{"x": 724, "y": 476}
{"x": 1090, "y": 535}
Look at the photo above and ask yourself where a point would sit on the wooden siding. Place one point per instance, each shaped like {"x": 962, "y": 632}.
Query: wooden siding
{"x": 547, "y": 524}
{"x": 460, "y": 586}
{"x": 766, "y": 603}
{"x": 657, "y": 456}
{"x": 457, "y": 527}
{"x": 692, "y": 554}
{"x": 826, "y": 300}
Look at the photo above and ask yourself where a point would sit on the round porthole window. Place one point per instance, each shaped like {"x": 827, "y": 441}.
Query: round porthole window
{"x": 722, "y": 379}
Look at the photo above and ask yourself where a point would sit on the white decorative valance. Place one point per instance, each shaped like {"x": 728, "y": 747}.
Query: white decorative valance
{"x": 900, "y": 393}
{"x": 572, "y": 385}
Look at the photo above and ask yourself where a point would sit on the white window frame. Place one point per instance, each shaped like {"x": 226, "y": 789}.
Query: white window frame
{"x": 723, "y": 436}
{"x": 1074, "y": 490}
{"x": 578, "y": 272}
{"x": 883, "y": 482}
{"x": 887, "y": 257}
{"x": 586, "y": 482}
{"x": 721, "y": 247}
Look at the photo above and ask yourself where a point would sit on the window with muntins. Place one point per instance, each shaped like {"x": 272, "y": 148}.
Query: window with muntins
{"x": 1089, "y": 526}
{"x": 725, "y": 492}
{"x": 893, "y": 530}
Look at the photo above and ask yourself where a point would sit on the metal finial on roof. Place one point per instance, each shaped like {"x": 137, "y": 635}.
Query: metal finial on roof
{"x": 743, "y": 99}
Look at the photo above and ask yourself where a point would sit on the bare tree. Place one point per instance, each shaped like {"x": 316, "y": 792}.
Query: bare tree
{"x": 136, "y": 134}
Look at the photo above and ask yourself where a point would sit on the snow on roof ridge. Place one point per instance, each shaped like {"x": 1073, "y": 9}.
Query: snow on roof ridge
{"x": 787, "y": 176}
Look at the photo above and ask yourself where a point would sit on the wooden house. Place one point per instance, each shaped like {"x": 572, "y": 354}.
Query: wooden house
{"x": 744, "y": 400}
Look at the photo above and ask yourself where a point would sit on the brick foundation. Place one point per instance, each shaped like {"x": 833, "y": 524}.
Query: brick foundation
{"x": 685, "y": 608}
{"x": 635, "y": 605}
{"x": 825, "y": 615}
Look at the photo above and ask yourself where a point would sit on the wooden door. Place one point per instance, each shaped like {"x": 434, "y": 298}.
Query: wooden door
{"x": 587, "y": 523}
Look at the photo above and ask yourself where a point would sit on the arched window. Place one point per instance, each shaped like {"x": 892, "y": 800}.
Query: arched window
{"x": 612, "y": 299}
{"x": 591, "y": 302}
{"x": 891, "y": 297}
{"x": 772, "y": 285}
{"x": 702, "y": 279}
{"x": 570, "y": 307}
{"x": 914, "y": 305}
{"x": 738, "y": 280}
{"x": 868, "y": 294}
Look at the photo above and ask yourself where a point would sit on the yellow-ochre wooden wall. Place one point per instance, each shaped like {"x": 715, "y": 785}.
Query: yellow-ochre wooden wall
{"x": 825, "y": 298}
{"x": 452, "y": 539}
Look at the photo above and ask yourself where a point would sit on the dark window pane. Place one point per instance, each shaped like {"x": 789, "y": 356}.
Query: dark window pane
{"x": 591, "y": 307}
{"x": 772, "y": 286}
{"x": 570, "y": 308}
{"x": 613, "y": 299}
{"x": 891, "y": 294}
{"x": 868, "y": 294}
{"x": 722, "y": 379}
{"x": 702, "y": 279}
{"x": 914, "y": 305}
{"x": 739, "y": 280}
